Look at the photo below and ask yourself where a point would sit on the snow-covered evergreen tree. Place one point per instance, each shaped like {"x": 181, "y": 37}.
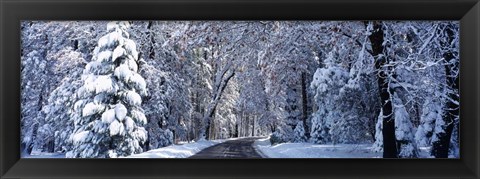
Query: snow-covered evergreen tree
{"x": 46, "y": 46}
{"x": 326, "y": 84}
{"x": 403, "y": 130}
{"x": 319, "y": 133}
{"x": 110, "y": 118}
{"x": 432, "y": 110}
{"x": 299, "y": 133}
{"x": 32, "y": 96}
{"x": 378, "y": 144}
{"x": 58, "y": 111}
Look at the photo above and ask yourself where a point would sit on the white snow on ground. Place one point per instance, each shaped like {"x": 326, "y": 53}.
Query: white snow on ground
{"x": 182, "y": 150}
{"x": 309, "y": 150}
{"x": 263, "y": 146}
{"x": 177, "y": 151}
{"x": 425, "y": 152}
{"x": 36, "y": 154}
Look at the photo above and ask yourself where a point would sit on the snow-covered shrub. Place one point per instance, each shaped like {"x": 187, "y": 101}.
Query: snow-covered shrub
{"x": 168, "y": 138}
{"x": 109, "y": 120}
{"x": 276, "y": 138}
{"x": 159, "y": 137}
{"x": 299, "y": 133}
{"x": 282, "y": 135}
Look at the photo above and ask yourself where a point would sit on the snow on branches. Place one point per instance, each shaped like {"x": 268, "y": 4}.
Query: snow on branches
{"x": 110, "y": 120}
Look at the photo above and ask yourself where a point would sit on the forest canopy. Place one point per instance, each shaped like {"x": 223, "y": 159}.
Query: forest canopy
{"x": 98, "y": 89}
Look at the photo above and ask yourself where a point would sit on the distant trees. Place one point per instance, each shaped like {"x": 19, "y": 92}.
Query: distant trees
{"x": 167, "y": 106}
{"x": 52, "y": 54}
{"x": 33, "y": 69}
{"x": 58, "y": 110}
{"x": 288, "y": 62}
{"x": 252, "y": 99}
{"x": 393, "y": 84}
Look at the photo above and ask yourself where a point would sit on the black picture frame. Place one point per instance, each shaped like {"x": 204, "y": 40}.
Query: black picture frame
{"x": 13, "y": 11}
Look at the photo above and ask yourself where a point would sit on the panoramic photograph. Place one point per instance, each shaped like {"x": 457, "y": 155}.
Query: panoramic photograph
{"x": 240, "y": 89}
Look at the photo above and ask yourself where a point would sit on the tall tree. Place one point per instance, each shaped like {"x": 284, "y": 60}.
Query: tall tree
{"x": 388, "y": 128}
{"x": 444, "y": 127}
{"x": 110, "y": 118}
{"x": 327, "y": 82}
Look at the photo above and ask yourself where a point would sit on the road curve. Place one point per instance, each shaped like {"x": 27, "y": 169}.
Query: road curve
{"x": 238, "y": 148}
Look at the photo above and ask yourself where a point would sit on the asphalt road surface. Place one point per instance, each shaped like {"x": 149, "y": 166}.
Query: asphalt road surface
{"x": 238, "y": 148}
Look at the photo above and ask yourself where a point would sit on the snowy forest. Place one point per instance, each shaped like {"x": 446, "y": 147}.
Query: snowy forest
{"x": 322, "y": 89}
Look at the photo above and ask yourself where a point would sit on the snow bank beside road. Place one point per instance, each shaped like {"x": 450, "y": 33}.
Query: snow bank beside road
{"x": 36, "y": 154}
{"x": 177, "y": 151}
{"x": 173, "y": 151}
{"x": 308, "y": 150}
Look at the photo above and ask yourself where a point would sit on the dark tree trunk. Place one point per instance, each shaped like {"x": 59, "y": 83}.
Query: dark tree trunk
{"x": 389, "y": 141}
{"x": 146, "y": 146}
{"x": 30, "y": 148}
{"x": 51, "y": 146}
{"x": 75, "y": 44}
{"x": 216, "y": 98}
{"x": 212, "y": 129}
{"x": 246, "y": 124}
{"x": 441, "y": 146}
{"x": 23, "y": 147}
{"x": 31, "y": 144}
{"x": 151, "y": 53}
{"x": 236, "y": 131}
{"x": 304, "y": 105}
{"x": 253, "y": 126}
{"x": 416, "y": 118}
{"x": 174, "y": 137}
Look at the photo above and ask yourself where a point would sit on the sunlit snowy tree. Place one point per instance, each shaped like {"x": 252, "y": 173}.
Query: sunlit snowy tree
{"x": 111, "y": 121}
{"x": 326, "y": 84}
{"x": 407, "y": 147}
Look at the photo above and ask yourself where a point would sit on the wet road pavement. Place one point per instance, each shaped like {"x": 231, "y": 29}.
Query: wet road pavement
{"x": 238, "y": 148}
